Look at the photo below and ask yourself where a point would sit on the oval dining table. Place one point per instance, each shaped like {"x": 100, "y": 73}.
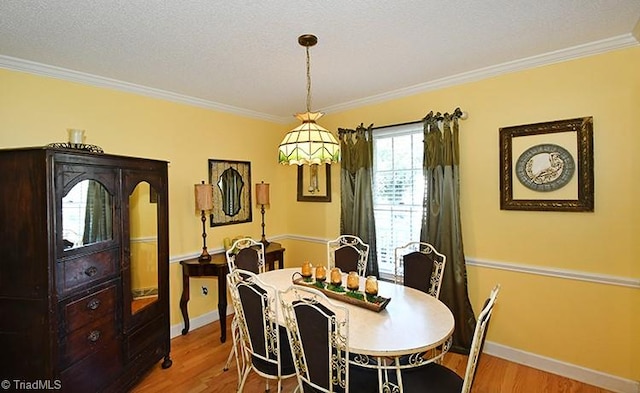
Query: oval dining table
{"x": 413, "y": 329}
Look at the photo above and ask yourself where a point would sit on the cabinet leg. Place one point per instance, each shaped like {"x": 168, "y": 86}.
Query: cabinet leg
{"x": 167, "y": 362}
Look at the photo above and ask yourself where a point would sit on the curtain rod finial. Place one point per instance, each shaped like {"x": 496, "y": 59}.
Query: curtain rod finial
{"x": 460, "y": 114}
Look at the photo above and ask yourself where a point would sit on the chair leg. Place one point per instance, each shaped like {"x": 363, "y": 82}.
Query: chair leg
{"x": 245, "y": 374}
{"x": 232, "y": 353}
{"x": 237, "y": 351}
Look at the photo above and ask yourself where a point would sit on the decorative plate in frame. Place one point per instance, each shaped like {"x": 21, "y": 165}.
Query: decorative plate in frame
{"x": 568, "y": 142}
{"x": 545, "y": 167}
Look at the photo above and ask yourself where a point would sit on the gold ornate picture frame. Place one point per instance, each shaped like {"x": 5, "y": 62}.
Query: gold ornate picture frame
{"x": 231, "y": 192}
{"x": 547, "y": 166}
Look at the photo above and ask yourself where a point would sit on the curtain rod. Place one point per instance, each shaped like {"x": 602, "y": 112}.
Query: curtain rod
{"x": 461, "y": 115}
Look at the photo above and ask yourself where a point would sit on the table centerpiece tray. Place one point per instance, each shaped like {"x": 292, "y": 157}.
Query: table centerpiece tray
{"x": 357, "y": 298}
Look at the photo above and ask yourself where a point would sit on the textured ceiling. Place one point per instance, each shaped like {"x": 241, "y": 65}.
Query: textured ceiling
{"x": 245, "y": 55}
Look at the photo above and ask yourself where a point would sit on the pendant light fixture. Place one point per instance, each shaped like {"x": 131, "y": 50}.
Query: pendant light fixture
{"x": 309, "y": 143}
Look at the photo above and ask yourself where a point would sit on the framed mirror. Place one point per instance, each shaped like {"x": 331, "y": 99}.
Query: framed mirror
{"x": 231, "y": 192}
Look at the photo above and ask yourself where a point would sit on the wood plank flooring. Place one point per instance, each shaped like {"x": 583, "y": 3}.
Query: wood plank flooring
{"x": 198, "y": 359}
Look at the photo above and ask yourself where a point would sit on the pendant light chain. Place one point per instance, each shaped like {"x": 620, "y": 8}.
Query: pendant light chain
{"x": 308, "y": 81}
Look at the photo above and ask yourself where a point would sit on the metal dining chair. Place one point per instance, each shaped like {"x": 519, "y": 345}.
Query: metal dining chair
{"x": 246, "y": 254}
{"x": 318, "y": 331}
{"x": 349, "y": 253}
{"x": 436, "y": 378}
{"x": 420, "y": 266}
{"x": 263, "y": 342}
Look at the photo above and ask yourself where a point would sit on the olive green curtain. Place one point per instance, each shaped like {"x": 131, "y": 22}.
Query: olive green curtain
{"x": 98, "y": 217}
{"x": 356, "y": 195}
{"x": 441, "y": 223}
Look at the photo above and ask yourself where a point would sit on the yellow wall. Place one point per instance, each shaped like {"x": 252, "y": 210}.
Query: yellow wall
{"x": 587, "y": 324}
{"x": 593, "y": 325}
{"x": 35, "y": 111}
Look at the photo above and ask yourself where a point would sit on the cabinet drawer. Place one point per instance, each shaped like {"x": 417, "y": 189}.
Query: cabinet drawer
{"x": 90, "y": 308}
{"x": 88, "y": 339}
{"x": 86, "y": 269}
{"x": 94, "y": 372}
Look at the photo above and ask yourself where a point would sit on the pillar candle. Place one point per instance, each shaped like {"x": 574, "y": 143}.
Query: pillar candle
{"x": 353, "y": 281}
{"x": 336, "y": 276}
{"x": 321, "y": 273}
{"x": 306, "y": 269}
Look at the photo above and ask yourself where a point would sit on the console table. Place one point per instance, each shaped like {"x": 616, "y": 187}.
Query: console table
{"x": 218, "y": 268}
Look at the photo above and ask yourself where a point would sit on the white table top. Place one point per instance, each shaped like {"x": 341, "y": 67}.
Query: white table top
{"x": 413, "y": 321}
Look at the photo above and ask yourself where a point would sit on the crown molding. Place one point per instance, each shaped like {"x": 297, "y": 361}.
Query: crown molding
{"x": 31, "y": 67}
{"x": 576, "y": 52}
{"x": 593, "y": 48}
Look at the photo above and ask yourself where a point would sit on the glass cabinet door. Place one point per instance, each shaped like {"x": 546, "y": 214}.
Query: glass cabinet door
{"x": 87, "y": 215}
{"x": 143, "y": 247}
{"x": 145, "y": 262}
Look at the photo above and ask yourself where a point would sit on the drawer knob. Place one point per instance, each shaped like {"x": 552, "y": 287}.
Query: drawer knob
{"x": 93, "y": 304}
{"x": 91, "y": 271}
{"x": 94, "y": 336}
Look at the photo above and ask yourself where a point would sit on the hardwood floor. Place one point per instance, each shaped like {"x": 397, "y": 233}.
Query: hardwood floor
{"x": 199, "y": 356}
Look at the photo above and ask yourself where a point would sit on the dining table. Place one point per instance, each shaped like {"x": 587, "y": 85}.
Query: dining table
{"x": 413, "y": 329}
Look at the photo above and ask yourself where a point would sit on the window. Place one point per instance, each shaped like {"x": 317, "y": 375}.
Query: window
{"x": 398, "y": 189}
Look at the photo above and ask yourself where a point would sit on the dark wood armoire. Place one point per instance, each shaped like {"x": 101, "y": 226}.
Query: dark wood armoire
{"x": 84, "y": 260}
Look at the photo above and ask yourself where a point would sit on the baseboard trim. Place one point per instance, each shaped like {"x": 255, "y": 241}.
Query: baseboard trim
{"x": 567, "y": 370}
{"x": 198, "y": 322}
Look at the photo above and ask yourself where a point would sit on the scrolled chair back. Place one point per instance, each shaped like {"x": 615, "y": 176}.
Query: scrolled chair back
{"x": 246, "y": 254}
{"x": 420, "y": 266}
{"x": 349, "y": 253}
{"x": 318, "y": 332}
{"x": 263, "y": 340}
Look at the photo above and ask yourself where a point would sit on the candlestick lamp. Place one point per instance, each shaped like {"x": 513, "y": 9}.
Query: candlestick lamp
{"x": 262, "y": 199}
{"x": 204, "y": 201}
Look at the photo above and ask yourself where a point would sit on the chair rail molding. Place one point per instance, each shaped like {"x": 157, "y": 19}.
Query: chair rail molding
{"x": 569, "y": 274}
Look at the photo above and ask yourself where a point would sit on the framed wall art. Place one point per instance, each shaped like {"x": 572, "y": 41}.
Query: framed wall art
{"x": 231, "y": 192}
{"x": 547, "y": 166}
{"x": 314, "y": 187}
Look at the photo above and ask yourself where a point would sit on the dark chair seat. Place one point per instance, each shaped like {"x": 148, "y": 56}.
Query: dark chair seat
{"x": 431, "y": 378}
{"x": 362, "y": 379}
